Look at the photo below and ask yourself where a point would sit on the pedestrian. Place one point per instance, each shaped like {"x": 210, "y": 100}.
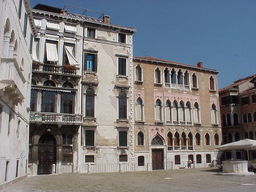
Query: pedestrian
{"x": 189, "y": 163}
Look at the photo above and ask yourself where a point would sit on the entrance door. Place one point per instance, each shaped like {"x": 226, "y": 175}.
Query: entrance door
{"x": 46, "y": 154}
{"x": 157, "y": 159}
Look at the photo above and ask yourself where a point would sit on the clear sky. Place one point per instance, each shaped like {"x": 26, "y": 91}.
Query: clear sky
{"x": 220, "y": 33}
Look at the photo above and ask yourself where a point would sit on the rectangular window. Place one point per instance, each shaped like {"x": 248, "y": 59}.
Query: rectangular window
{"x": 69, "y": 54}
{"x": 121, "y": 66}
{"x": 91, "y": 33}
{"x": 89, "y": 158}
{"x": 89, "y": 138}
{"x": 245, "y": 100}
{"x": 122, "y": 101}
{"x": 25, "y": 25}
{"x": 66, "y": 139}
{"x": 48, "y": 101}
{"x": 208, "y": 158}
{"x": 177, "y": 159}
{"x": 20, "y": 7}
{"x": 33, "y": 100}
{"x": 123, "y": 158}
{"x": 51, "y": 52}
{"x": 198, "y": 159}
{"x": 121, "y": 38}
{"x": 122, "y": 138}
{"x": 67, "y": 103}
{"x": 90, "y": 63}
{"x": 254, "y": 98}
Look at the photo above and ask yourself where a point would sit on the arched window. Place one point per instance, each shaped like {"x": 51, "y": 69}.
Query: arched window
{"x": 167, "y": 77}
{"x": 141, "y": 161}
{"x": 254, "y": 116}
{"x": 207, "y": 139}
{"x": 139, "y": 109}
{"x": 198, "y": 139}
{"x": 175, "y": 112}
{"x": 196, "y": 113}
{"x": 228, "y": 120}
{"x": 186, "y": 79}
{"x": 214, "y": 115}
{"x": 49, "y": 83}
{"x": 188, "y": 112}
{"x": 237, "y": 136}
{"x": 158, "y": 110}
{"x": 7, "y": 27}
{"x": 138, "y": 73}
{"x": 180, "y": 78}
{"x": 157, "y": 76}
{"x": 190, "y": 141}
{"x": 223, "y": 118}
{"x": 12, "y": 37}
{"x": 182, "y": 112}
{"x": 89, "y": 102}
{"x": 157, "y": 140}
{"x": 168, "y": 111}
{"x": 194, "y": 81}
{"x": 170, "y": 141}
{"x": 67, "y": 85}
{"x": 198, "y": 159}
{"x": 173, "y": 77}
{"x": 212, "y": 84}
{"x": 216, "y": 139}
{"x": 140, "y": 138}
{"x": 183, "y": 140}
{"x": 122, "y": 101}
{"x": 176, "y": 140}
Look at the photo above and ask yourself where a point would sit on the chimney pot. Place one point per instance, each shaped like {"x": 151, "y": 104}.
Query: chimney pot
{"x": 200, "y": 64}
{"x": 106, "y": 19}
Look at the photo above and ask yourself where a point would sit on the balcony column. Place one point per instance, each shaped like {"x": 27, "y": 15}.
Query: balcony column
{"x": 41, "y": 48}
{"x": 39, "y": 101}
{"x": 173, "y": 144}
{"x": 58, "y": 102}
{"x": 186, "y": 143}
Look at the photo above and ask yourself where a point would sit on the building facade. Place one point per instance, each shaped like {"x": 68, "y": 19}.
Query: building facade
{"x": 238, "y": 110}
{"x": 81, "y": 96}
{"x": 176, "y": 114}
{"x": 16, "y": 37}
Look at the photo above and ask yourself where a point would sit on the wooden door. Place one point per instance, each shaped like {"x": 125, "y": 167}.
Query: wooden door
{"x": 157, "y": 159}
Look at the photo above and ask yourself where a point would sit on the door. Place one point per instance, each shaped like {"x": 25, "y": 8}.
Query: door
{"x": 157, "y": 159}
{"x": 46, "y": 154}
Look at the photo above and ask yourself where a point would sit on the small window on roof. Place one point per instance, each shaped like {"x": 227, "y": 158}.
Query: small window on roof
{"x": 121, "y": 38}
{"x": 91, "y": 33}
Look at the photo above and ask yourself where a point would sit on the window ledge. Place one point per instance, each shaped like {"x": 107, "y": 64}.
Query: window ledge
{"x": 122, "y": 120}
{"x": 159, "y": 122}
{"x": 139, "y": 122}
{"x": 158, "y": 84}
{"x": 195, "y": 88}
{"x": 197, "y": 124}
{"x": 215, "y": 125}
{"x": 212, "y": 91}
{"x": 122, "y": 76}
{"x": 138, "y": 82}
{"x": 122, "y": 147}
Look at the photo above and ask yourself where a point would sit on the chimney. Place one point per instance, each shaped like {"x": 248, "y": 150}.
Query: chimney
{"x": 106, "y": 19}
{"x": 200, "y": 64}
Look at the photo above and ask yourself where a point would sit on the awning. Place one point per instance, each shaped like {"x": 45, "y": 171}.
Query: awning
{"x": 37, "y": 22}
{"x": 51, "y": 52}
{"x": 71, "y": 59}
{"x": 70, "y": 29}
{"x": 52, "y": 90}
{"x": 53, "y": 26}
{"x": 244, "y": 144}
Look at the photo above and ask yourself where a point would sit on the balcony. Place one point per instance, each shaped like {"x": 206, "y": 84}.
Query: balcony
{"x": 55, "y": 118}
{"x": 55, "y": 69}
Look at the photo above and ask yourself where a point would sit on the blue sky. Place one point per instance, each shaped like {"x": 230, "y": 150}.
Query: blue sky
{"x": 220, "y": 33}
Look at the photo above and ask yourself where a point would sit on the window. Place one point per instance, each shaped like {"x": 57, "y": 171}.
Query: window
{"x": 212, "y": 84}
{"x": 141, "y": 161}
{"x": 194, "y": 81}
{"x": 167, "y": 77}
{"x": 173, "y": 77}
{"x": 67, "y": 103}
{"x": 177, "y": 159}
{"x": 25, "y": 25}
{"x": 91, "y": 33}
{"x": 89, "y": 103}
{"x": 180, "y": 78}
{"x": 123, "y": 138}
{"x": 121, "y": 38}
{"x": 190, "y": 141}
{"x": 214, "y": 115}
{"x": 216, "y": 139}
{"x": 69, "y": 54}
{"x": 168, "y": 111}
{"x": 207, "y": 139}
{"x": 157, "y": 140}
{"x": 170, "y": 141}
{"x": 122, "y": 104}
{"x": 123, "y": 158}
{"x": 237, "y": 136}
{"x": 176, "y": 140}
{"x": 89, "y": 158}
{"x": 51, "y": 52}
{"x": 158, "y": 109}
{"x": 235, "y": 117}
{"x": 188, "y": 112}
{"x": 229, "y": 100}
{"x": 66, "y": 139}
{"x": 198, "y": 159}
{"x": 140, "y": 138}
{"x": 89, "y": 138}
{"x": 245, "y": 100}
{"x": 186, "y": 79}
{"x": 250, "y": 135}
{"x": 90, "y": 63}
{"x": 121, "y": 66}
{"x": 139, "y": 109}
{"x": 254, "y": 116}
{"x": 249, "y": 117}
{"x": 157, "y": 76}
{"x": 246, "y": 136}
{"x": 183, "y": 140}
{"x": 48, "y": 101}
{"x": 198, "y": 139}
{"x": 196, "y": 113}
{"x": 208, "y": 158}
{"x": 138, "y": 73}
{"x": 254, "y": 98}
{"x": 20, "y": 7}
{"x": 175, "y": 112}
{"x": 223, "y": 118}
{"x": 182, "y": 112}
{"x": 228, "y": 120}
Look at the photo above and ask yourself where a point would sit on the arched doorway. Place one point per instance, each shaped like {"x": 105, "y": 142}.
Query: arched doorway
{"x": 46, "y": 154}
{"x": 157, "y": 153}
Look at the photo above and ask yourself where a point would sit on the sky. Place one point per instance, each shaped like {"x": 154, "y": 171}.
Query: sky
{"x": 219, "y": 33}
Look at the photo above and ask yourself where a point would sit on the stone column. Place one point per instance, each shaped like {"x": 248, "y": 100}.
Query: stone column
{"x": 58, "y": 158}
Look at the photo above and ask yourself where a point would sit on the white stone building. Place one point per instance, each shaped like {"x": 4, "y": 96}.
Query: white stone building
{"x": 16, "y": 38}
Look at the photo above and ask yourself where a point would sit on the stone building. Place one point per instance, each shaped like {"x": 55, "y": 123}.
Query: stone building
{"x": 176, "y": 114}
{"x": 16, "y": 37}
{"x": 81, "y": 96}
{"x": 238, "y": 110}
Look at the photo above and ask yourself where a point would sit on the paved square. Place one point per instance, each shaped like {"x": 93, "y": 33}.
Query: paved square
{"x": 187, "y": 180}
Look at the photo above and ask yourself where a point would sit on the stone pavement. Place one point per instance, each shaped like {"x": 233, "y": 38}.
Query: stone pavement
{"x": 186, "y": 180}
